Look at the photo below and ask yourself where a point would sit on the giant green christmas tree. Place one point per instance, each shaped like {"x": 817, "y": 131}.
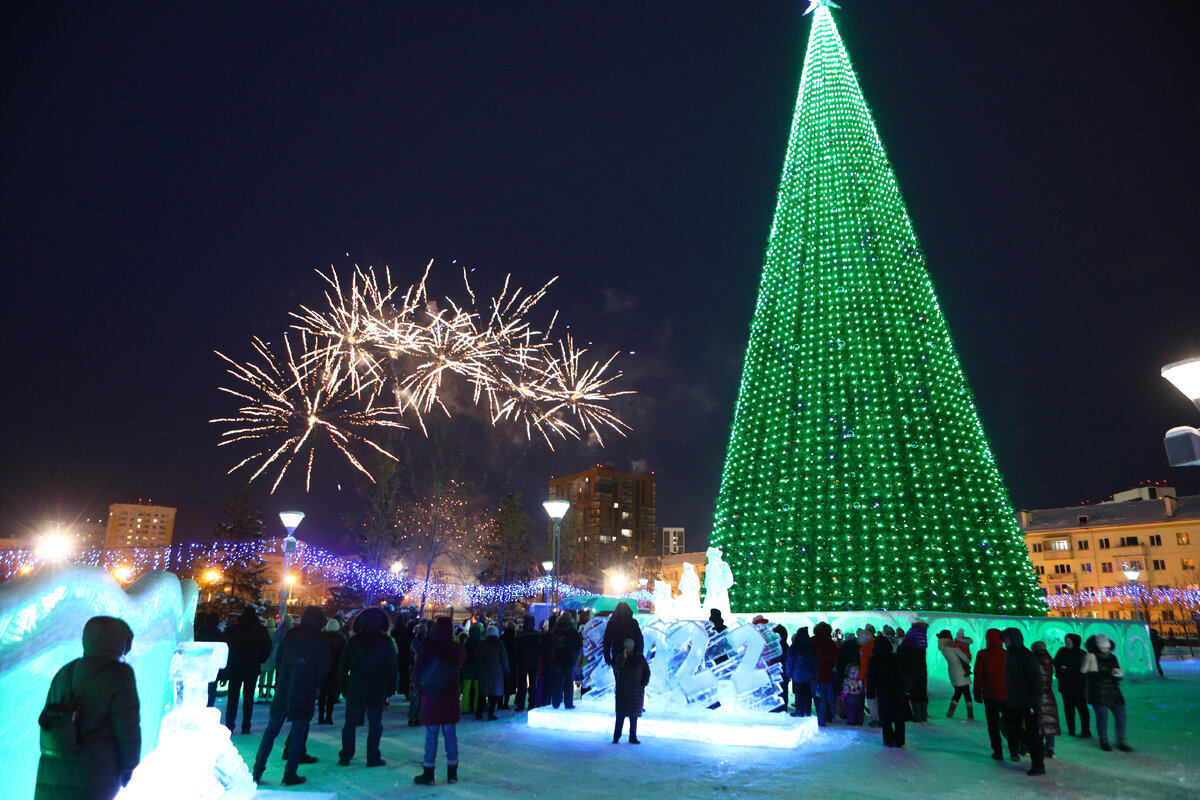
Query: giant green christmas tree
{"x": 858, "y": 475}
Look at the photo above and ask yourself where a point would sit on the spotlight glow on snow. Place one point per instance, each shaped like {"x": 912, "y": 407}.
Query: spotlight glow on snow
{"x": 758, "y": 730}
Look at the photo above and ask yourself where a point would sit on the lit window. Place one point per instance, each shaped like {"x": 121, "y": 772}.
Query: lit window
{"x": 1188, "y": 563}
{"x": 1060, "y": 544}
{"x": 1182, "y": 538}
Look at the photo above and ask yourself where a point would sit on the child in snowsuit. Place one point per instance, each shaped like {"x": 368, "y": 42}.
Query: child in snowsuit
{"x": 852, "y": 696}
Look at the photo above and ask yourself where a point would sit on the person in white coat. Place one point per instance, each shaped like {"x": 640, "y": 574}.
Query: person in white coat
{"x": 958, "y": 666}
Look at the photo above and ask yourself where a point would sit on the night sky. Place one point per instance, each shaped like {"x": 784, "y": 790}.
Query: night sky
{"x": 174, "y": 174}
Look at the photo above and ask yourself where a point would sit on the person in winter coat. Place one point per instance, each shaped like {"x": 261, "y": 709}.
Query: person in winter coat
{"x": 1023, "y": 692}
{"x": 781, "y": 660}
{"x": 567, "y": 644}
{"x": 1156, "y": 644}
{"x": 420, "y": 635}
{"x": 108, "y": 724}
{"x": 915, "y": 670}
{"x": 963, "y": 642}
{"x": 529, "y": 655}
{"x": 493, "y": 669}
{"x": 471, "y": 700}
{"x": 328, "y": 696}
{"x": 632, "y": 674}
{"x": 885, "y": 684}
{"x": 1048, "y": 711}
{"x": 249, "y": 648}
{"x": 301, "y": 663}
{"x": 866, "y": 649}
{"x": 440, "y": 712}
{"x": 508, "y": 638}
{"x": 847, "y": 656}
{"x": 826, "y": 652}
{"x": 402, "y": 633}
{"x": 366, "y": 674}
{"x": 852, "y": 695}
{"x": 958, "y": 667}
{"x": 802, "y": 669}
{"x": 1068, "y": 666}
{"x": 1103, "y": 673}
{"x": 621, "y": 626}
{"x": 990, "y": 676}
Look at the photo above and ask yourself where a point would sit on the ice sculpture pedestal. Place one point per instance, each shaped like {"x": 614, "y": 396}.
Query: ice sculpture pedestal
{"x": 750, "y": 730}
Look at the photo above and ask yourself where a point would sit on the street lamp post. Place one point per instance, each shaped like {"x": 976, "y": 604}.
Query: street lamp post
{"x": 557, "y": 509}
{"x": 291, "y": 520}
{"x": 1131, "y": 574}
{"x": 1183, "y": 442}
{"x": 547, "y": 565}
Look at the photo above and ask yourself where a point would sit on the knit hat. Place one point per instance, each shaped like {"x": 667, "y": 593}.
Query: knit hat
{"x": 333, "y": 626}
{"x": 492, "y": 631}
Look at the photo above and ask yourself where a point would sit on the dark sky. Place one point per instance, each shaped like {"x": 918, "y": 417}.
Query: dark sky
{"x": 175, "y": 172}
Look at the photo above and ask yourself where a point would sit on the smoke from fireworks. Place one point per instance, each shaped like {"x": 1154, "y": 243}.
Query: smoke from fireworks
{"x": 372, "y": 355}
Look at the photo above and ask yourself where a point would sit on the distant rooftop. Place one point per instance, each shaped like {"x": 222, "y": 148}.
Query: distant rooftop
{"x": 1133, "y": 512}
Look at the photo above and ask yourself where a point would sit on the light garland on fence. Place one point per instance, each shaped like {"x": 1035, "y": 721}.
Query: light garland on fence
{"x": 1188, "y": 599}
{"x": 193, "y": 558}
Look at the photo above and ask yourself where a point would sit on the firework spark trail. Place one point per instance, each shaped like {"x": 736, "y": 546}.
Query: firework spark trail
{"x": 372, "y": 340}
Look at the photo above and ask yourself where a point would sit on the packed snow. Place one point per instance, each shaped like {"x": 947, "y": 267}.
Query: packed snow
{"x": 943, "y": 758}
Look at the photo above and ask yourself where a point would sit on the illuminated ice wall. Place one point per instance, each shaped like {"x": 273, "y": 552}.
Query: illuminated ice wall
{"x": 41, "y": 628}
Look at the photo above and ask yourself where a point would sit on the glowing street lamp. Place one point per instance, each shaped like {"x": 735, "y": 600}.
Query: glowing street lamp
{"x": 547, "y": 565}
{"x": 54, "y": 547}
{"x": 123, "y": 573}
{"x": 557, "y": 509}
{"x": 1183, "y": 442}
{"x": 1131, "y": 575}
{"x": 291, "y": 520}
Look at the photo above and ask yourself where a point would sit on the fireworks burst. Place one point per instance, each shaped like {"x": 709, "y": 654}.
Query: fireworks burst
{"x": 372, "y": 355}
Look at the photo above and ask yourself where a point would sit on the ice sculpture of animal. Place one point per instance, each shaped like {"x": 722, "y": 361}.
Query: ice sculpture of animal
{"x": 41, "y": 628}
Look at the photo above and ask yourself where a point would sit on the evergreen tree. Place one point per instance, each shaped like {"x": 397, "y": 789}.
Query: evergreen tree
{"x": 507, "y": 551}
{"x": 243, "y": 578}
{"x": 858, "y": 475}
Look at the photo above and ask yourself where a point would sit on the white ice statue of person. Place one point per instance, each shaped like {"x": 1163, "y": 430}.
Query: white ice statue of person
{"x": 687, "y": 605}
{"x": 664, "y": 602}
{"x": 717, "y": 580}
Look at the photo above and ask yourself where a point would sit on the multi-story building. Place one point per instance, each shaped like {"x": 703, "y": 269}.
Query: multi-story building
{"x": 672, "y": 541}
{"x": 1081, "y": 555}
{"x": 139, "y": 525}
{"x": 611, "y": 520}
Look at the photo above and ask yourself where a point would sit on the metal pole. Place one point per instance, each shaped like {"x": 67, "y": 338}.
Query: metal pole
{"x": 283, "y": 586}
{"x": 557, "y": 528}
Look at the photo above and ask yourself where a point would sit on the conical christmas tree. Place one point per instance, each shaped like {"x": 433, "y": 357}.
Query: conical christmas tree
{"x": 858, "y": 475}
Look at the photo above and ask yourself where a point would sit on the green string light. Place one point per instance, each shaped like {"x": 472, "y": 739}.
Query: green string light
{"x": 858, "y": 475}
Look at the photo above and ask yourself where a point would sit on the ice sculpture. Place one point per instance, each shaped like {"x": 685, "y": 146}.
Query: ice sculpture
{"x": 41, "y": 626}
{"x": 705, "y": 685}
{"x": 718, "y": 577}
{"x": 195, "y": 757}
{"x": 664, "y": 601}
{"x": 687, "y": 605}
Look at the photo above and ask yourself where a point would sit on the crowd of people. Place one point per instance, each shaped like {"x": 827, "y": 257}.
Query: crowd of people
{"x": 306, "y": 668}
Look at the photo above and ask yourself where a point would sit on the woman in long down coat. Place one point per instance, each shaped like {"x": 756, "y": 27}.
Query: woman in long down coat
{"x": 493, "y": 668}
{"x": 886, "y": 685}
{"x": 109, "y": 722}
{"x": 633, "y": 673}
{"x": 441, "y": 712}
{"x": 1048, "y": 717}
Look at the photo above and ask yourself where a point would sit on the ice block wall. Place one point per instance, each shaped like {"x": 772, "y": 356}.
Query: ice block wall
{"x": 41, "y": 627}
{"x": 1131, "y": 639}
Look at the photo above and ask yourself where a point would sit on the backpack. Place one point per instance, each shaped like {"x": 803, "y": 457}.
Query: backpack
{"x": 436, "y": 678}
{"x": 59, "y": 720}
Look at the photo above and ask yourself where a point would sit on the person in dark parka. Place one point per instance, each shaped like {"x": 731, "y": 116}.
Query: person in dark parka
{"x": 109, "y": 718}
{"x": 441, "y": 712}
{"x": 632, "y": 673}
{"x": 493, "y": 669}
{"x": 621, "y": 626}
{"x": 826, "y": 650}
{"x": 1023, "y": 694}
{"x": 366, "y": 674}
{"x": 508, "y": 638}
{"x": 330, "y": 689}
{"x": 402, "y": 633}
{"x": 915, "y": 668}
{"x": 886, "y": 685}
{"x": 1068, "y": 668}
{"x": 249, "y": 648}
{"x": 567, "y": 644}
{"x": 1048, "y": 711}
{"x": 1103, "y": 673}
{"x": 781, "y": 660}
{"x": 301, "y": 663}
{"x": 990, "y": 680}
{"x": 802, "y": 670}
{"x": 529, "y": 654}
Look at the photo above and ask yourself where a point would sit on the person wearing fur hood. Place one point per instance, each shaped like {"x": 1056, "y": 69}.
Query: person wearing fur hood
{"x": 1103, "y": 674}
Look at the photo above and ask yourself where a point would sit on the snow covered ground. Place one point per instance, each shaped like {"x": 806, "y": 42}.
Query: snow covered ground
{"x": 943, "y": 759}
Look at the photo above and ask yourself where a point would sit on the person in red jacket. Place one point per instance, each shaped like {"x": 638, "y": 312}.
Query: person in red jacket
{"x": 866, "y": 649}
{"x": 989, "y": 687}
{"x": 822, "y": 640}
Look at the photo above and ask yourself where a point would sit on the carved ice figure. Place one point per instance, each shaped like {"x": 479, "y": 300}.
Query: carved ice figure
{"x": 664, "y": 602}
{"x": 687, "y": 605}
{"x": 195, "y": 757}
{"x": 717, "y": 580}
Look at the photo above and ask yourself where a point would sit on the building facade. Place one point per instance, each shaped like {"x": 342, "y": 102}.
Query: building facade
{"x": 1081, "y": 555}
{"x": 672, "y": 541}
{"x": 610, "y": 522}
{"x": 139, "y": 525}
